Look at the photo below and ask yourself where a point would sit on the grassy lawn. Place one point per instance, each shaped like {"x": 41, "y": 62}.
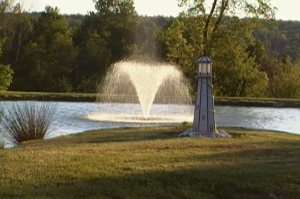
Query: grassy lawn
{"x": 153, "y": 163}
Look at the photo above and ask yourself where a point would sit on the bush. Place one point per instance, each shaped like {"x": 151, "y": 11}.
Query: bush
{"x": 286, "y": 84}
{"x": 89, "y": 85}
{"x": 24, "y": 121}
{"x": 62, "y": 85}
{"x": 5, "y": 72}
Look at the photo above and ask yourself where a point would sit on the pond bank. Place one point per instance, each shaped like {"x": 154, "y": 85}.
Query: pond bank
{"x": 90, "y": 97}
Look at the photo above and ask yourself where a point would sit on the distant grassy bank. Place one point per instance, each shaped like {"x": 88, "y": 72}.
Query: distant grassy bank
{"x": 153, "y": 163}
{"x": 86, "y": 97}
{"x": 63, "y": 97}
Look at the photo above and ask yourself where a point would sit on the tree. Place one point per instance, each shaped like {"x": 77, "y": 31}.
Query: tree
{"x": 146, "y": 33}
{"x": 216, "y": 31}
{"x": 117, "y": 21}
{"x": 237, "y": 71}
{"x": 5, "y": 72}
{"x": 16, "y": 28}
{"x": 237, "y": 74}
{"x": 235, "y": 68}
{"x": 93, "y": 59}
{"x": 47, "y": 60}
{"x": 285, "y": 83}
{"x": 178, "y": 49}
{"x": 182, "y": 44}
{"x": 214, "y": 14}
{"x": 105, "y": 36}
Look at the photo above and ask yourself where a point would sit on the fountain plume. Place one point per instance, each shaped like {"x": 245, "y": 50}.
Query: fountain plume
{"x": 136, "y": 82}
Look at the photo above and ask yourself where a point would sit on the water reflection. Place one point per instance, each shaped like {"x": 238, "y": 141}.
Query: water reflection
{"x": 287, "y": 119}
{"x": 79, "y": 117}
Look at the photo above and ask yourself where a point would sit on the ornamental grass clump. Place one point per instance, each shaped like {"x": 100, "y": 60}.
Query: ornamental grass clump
{"x": 1, "y": 134}
{"x": 1, "y": 141}
{"x": 24, "y": 121}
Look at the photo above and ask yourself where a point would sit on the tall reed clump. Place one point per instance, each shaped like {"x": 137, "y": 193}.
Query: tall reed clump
{"x": 1, "y": 141}
{"x": 24, "y": 121}
{"x": 1, "y": 134}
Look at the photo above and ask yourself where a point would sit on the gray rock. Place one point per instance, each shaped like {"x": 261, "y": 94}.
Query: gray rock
{"x": 190, "y": 133}
{"x": 223, "y": 133}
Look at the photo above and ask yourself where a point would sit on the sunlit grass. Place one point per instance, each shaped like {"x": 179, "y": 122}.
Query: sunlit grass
{"x": 154, "y": 163}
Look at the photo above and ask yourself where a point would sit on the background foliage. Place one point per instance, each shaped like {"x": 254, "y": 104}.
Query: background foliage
{"x": 49, "y": 52}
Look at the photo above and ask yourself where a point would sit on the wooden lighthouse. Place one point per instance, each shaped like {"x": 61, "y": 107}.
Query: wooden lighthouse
{"x": 204, "y": 114}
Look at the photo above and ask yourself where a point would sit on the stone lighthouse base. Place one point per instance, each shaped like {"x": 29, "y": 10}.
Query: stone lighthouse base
{"x": 219, "y": 134}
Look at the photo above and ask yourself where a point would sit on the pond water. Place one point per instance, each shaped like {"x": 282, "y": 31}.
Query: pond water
{"x": 78, "y": 117}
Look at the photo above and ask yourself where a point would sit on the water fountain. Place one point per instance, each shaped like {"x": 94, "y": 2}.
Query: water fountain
{"x": 144, "y": 84}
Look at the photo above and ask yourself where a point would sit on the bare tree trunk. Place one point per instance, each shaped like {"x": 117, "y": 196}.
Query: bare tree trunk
{"x": 207, "y": 23}
{"x": 20, "y": 41}
{"x": 224, "y": 5}
{"x": 221, "y": 15}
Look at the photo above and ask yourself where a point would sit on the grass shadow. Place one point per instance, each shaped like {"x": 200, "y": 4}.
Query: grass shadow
{"x": 112, "y": 135}
{"x": 252, "y": 166}
{"x": 252, "y": 180}
{"x": 142, "y": 134}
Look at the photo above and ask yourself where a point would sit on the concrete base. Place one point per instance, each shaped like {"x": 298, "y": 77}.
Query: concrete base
{"x": 220, "y": 134}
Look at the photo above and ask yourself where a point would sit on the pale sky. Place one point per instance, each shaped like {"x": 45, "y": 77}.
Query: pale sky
{"x": 287, "y": 9}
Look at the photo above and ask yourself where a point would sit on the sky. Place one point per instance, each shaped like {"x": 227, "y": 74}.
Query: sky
{"x": 287, "y": 9}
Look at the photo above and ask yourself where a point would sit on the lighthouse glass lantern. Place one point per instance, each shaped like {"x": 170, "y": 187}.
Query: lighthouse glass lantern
{"x": 204, "y": 114}
{"x": 204, "y": 64}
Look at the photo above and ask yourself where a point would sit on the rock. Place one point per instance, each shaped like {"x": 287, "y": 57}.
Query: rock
{"x": 278, "y": 104}
{"x": 190, "y": 133}
{"x": 223, "y": 133}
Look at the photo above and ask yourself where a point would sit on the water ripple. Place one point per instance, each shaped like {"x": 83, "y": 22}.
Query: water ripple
{"x": 78, "y": 117}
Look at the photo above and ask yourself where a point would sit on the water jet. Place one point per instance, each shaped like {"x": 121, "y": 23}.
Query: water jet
{"x": 145, "y": 84}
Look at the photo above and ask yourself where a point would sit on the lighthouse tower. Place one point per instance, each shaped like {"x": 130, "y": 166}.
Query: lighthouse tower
{"x": 204, "y": 114}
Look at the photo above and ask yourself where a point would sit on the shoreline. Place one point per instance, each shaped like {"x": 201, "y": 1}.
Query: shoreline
{"x": 91, "y": 97}
{"x": 182, "y": 126}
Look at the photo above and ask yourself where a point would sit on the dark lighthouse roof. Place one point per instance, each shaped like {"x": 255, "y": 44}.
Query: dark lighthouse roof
{"x": 204, "y": 59}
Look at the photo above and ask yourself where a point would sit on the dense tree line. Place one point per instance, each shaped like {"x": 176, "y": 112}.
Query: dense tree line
{"x": 50, "y": 52}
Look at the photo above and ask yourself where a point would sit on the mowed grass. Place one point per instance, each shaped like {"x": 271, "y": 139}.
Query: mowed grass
{"x": 154, "y": 163}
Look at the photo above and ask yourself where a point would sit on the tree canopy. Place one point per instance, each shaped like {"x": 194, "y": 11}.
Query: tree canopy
{"x": 253, "y": 55}
{"x": 214, "y": 14}
{"x": 5, "y": 72}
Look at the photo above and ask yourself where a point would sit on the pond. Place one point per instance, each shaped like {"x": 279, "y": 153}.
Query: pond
{"x": 73, "y": 118}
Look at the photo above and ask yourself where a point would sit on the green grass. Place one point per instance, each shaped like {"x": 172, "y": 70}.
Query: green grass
{"x": 154, "y": 163}
{"x": 91, "y": 97}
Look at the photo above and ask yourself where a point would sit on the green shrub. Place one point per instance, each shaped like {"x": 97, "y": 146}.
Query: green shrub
{"x": 186, "y": 124}
{"x": 235, "y": 135}
{"x": 24, "y": 121}
{"x": 5, "y": 72}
